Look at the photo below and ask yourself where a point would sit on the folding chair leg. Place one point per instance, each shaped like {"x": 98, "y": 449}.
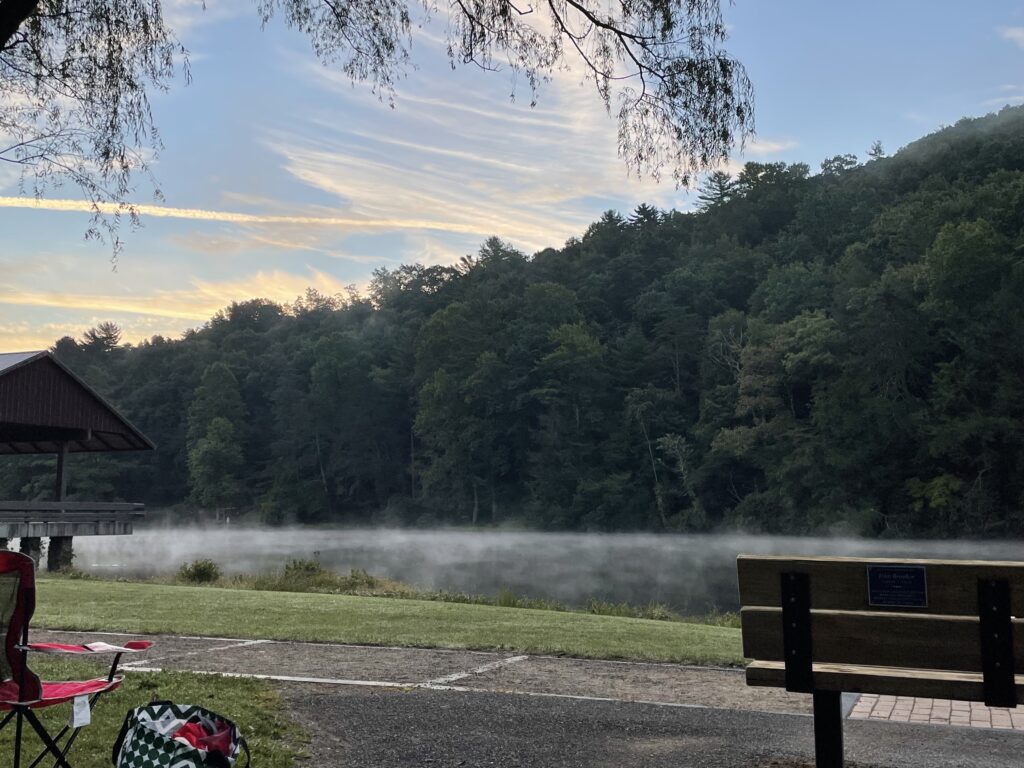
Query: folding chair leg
{"x": 48, "y": 742}
{"x": 47, "y": 752}
{"x": 51, "y": 745}
{"x": 63, "y": 732}
{"x": 56, "y": 740}
{"x": 17, "y": 738}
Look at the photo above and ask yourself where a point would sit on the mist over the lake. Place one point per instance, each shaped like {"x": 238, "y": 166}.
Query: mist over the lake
{"x": 688, "y": 573}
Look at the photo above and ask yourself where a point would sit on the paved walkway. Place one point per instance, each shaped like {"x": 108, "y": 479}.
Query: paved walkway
{"x": 670, "y": 685}
{"x": 372, "y": 707}
{"x": 387, "y": 728}
{"x": 903, "y": 709}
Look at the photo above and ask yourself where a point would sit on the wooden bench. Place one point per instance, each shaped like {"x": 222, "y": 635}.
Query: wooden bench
{"x": 943, "y": 629}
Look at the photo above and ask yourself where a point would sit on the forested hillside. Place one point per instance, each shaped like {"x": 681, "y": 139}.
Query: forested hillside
{"x": 836, "y": 351}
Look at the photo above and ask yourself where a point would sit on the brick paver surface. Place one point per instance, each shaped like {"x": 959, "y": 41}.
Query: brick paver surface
{"x": 904, "y": 709}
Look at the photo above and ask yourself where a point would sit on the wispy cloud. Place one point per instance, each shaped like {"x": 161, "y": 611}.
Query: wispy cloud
{"x": 918, "y": 117}
{"x": 196, "y": 303}
{"x": 382, "y": 184}
{"x": 270, "y": 240}
{"x": 143, "y": 313}
{"x": 1010, "y": 94}
{"x": 183, "y": 16}
{"x": 139, "y": 305}
{"x": 310, "y": 246}
{"x": 427, "y": 249}
{"x": 349, "y": 223}
{"x": 1013, "y": 34}
{"x": 462, "y": 155}
{"x": 760, "y": 147}
{"x": 24, "y": 335}
{"x": 276, "y": 285}
{"x": 533, "y": 176}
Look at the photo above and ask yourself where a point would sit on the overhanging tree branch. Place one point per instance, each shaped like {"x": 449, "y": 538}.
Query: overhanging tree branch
{"x": 76, "y": 75}
{"x": 13, "y": 14}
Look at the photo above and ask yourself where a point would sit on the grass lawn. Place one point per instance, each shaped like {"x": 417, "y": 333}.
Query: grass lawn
{"x": 252, "y": 704}
{"x": 162, "y": 609}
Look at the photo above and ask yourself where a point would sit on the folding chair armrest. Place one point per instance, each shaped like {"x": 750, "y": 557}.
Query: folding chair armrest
{"x": 89, "y": 649}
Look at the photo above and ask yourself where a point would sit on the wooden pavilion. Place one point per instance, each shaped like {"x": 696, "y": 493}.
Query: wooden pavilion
{"x": 47, "y": 409}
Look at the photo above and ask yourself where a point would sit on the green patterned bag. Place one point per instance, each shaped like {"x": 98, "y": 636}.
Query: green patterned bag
{"x": 147, "y": 738}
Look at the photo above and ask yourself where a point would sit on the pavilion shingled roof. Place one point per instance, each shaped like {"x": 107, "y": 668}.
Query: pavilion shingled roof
{"x": 44, "y": 405}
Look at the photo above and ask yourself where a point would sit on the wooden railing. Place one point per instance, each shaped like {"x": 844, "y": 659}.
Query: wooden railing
{"x": 77, "y": 511}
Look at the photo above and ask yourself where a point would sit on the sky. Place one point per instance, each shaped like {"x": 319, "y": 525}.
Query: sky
{"x": 279, "y": 174}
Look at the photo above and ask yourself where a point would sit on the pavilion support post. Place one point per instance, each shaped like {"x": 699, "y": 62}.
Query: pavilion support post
{"x": 60, "y": 555}
{"x": 31, "y": 546}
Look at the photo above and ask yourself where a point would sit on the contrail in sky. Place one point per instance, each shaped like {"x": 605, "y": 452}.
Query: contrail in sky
{"x": 232, "y": 217}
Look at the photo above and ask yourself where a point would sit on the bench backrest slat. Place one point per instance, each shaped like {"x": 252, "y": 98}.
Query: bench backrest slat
{"x": 841, "y": 583}
{"x": 878, "y": 639}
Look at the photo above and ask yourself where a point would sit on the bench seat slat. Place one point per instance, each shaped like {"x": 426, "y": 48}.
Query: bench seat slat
{"x": 840, "y": 583}
{"x": 884, "y": 681}
{"x": 879, "y": 639}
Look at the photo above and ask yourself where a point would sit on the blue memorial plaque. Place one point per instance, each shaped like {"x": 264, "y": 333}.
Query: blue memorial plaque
{"x": 897, "y": 586}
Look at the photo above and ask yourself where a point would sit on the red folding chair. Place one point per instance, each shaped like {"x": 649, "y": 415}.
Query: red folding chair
{"x": 21, "y": 691}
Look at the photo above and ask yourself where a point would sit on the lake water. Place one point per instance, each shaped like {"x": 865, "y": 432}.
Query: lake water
{"x": 691, "y": 574}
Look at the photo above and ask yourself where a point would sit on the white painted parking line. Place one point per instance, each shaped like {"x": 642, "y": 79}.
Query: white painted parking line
{"x": 238, "y": 645}
{"x": 478, "y": 671}
{"x": 655, "y": 664}
{"x": 620, "y": 662}
{"x": 285, "y": 678}
{"x": 432, "y": 686}
{"x": 435, "y": 686}
{"x": 357, "y": 646}
{"x": 233, "y": 645}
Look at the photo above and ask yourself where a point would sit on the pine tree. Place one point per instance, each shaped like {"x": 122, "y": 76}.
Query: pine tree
{"x": 718, "y": 188}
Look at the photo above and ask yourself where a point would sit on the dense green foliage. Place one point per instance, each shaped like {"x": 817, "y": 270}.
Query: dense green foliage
{"x": 837, "y": 351}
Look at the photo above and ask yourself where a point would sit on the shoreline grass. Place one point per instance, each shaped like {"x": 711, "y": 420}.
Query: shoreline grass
{"x": 305, "y": 575}
{"x": 149, "y": 608}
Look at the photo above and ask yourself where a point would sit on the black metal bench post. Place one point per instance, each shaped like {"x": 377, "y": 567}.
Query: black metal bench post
{"x": 798, "y": 645}
{"x": 828, "y": 729}
{"x": 996, "y": 625}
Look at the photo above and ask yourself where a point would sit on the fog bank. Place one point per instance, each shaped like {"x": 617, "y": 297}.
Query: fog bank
{"x": 689, "y": 573}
